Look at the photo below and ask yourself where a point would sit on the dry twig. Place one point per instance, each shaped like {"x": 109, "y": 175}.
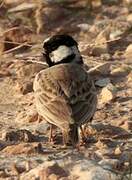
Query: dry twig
{"x": 15, "y": 43}
{"x": 15, "y": 48}
{"x": 30, "y": 61}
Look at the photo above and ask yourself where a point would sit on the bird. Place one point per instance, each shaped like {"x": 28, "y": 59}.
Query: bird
{"x": 65, "y": 95}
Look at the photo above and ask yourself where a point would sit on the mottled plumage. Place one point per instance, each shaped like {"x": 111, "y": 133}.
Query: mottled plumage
{"x": 66, "y": 97}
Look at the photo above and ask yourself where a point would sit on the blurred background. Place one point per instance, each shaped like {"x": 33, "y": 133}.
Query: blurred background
{"x": 25, "y": 23}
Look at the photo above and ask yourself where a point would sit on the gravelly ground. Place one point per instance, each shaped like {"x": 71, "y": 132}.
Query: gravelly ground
{"x": 109, "y": 134}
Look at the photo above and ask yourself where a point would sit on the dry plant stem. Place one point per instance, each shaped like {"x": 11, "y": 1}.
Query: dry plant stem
{"x": 38, "y": 119}
{"x": 14, "y": 28}
{"x": 30, "y": 61}
{"x": 11, "y": 42}
{"x": 14, "y": 49}
{"x": 8, "y": 30}
{"x": 2, "y": 3}
{"x": 93, "y": 44}
{"x": 108, "y": 41}
{"x": 38, "y": 18}
{"x": 38, "y": 62}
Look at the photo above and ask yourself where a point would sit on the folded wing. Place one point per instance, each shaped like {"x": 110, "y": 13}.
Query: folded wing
{"x": 65, "y": 94}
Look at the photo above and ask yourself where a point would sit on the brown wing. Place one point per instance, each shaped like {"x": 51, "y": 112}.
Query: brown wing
{"x": 51, "y": 101}
{"x": 65, "y": 94}
{"x": 81, "y": 93}
{"x": 84, "y": 103}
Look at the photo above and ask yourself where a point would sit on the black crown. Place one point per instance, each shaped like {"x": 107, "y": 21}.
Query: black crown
{"x": 57, "y": 40}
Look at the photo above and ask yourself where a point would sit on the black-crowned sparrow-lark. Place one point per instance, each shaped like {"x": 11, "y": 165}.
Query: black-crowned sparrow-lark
{"x": 64, "y": 93}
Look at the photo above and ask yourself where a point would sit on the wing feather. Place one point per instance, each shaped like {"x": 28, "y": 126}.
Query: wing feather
{"x": 65, "y": 94}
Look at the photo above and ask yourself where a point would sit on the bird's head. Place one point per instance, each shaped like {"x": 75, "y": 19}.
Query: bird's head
{"x": 60, "y": 49}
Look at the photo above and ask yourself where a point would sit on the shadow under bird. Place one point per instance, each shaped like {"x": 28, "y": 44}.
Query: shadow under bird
{"x": 64, "y": 93}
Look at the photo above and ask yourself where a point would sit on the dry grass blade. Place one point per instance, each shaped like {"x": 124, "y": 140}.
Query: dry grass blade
{"x": 1, "y": 4}
{"x": 93, "y": 44}
{"x": 15, "y": 43}
{"x": 14, "y": 28}
{"x": 30, "y": 61}
{"x": 22, "y": 7}
{"x": 15, "y": 48}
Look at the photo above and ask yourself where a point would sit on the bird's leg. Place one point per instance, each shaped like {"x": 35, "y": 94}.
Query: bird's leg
{"x": 82, "y": 132}
{"x": 39, "y": 118}
{"x": 65, "y": 138}
{"x": 51, "y": 133}
{"x": 83, "y": 138}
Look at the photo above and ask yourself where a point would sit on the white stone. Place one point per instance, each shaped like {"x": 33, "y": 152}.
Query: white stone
{"x": 84, "y": 26}
{"x": 109, "y": 163}
{"x": 128, "y": 52}
{"x": 115, "y": 34}
{"x": 103, "y": 69}
{"x": 102, "y": 82}
{"x": 34, "y": 173}
{"x": 88, "y": 170}
{"x": 129, "y": 17}
{"x": 108, "y": 93}
{"x": 98, "y": 173}
{"x": 121, "y": 71}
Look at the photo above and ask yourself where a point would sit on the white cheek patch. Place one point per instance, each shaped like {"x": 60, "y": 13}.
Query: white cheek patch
{"x": 64, "y": 51}
{"x": 60, "y": 53}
